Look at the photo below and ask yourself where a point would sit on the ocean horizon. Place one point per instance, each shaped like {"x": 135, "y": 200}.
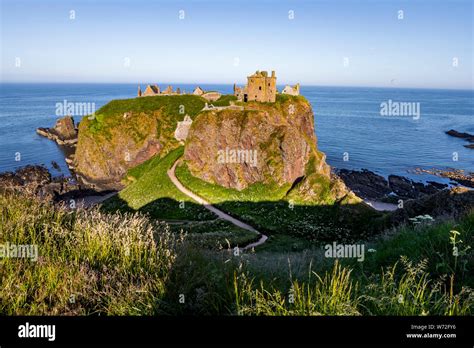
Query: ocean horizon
{"x": 348, "y": 124}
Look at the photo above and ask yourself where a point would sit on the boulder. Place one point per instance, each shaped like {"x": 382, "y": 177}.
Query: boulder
{"x": 365, "y": 183}
{"x": 402, "y": 187}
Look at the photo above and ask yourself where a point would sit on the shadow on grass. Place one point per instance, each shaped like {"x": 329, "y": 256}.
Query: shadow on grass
{"x": 314, "y": 223}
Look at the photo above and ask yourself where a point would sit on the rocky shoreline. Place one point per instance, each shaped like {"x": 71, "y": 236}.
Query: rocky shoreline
{"x": 458, "y": 176}
{"x": 38, "y": 181}
{"x": 65, "y": 134}
{"x": 369, "y": 185}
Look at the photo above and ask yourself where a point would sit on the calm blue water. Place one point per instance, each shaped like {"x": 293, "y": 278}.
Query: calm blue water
{"x": 347, "y": 120}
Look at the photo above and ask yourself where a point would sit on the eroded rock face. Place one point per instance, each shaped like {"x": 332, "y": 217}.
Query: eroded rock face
{"x": 263, "y": 143}
{"x": 103, "y": 158}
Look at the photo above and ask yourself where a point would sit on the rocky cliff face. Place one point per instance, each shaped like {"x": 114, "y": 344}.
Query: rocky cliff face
{"x": 125, "y": 133}
{"x": 265, "y": 143}
{"x": 102, "y": 160}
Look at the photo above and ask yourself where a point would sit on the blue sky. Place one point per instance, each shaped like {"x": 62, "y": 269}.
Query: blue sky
{"x": 224, "y": 41}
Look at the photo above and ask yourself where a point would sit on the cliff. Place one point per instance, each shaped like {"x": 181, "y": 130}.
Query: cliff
{"x": 124, "y": 133}
{"x": 270, "y": 143}
{"x": 230, "y": 146}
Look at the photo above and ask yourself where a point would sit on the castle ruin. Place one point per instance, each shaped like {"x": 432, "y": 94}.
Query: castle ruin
{"x": 260, "y": 87}
{"x": 295, "y": 90}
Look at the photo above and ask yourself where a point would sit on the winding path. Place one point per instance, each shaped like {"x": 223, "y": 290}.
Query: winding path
{"x": 210, "y": 207}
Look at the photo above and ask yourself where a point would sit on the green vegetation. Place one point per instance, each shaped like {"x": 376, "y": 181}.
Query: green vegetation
{"x": 120, "y": 260}
{"x": 267, "y": 208}
{"x": 412, "y": 292}
{"x": 218, "y": 194}
{"x": 151, "y": 191}
{"x": 427, "y": 242}
{"x": 215, "y": 234}
{"x": 283, "y": 98}
{"x": 165, "y": 111}
{"x": 224, "y": 100}
{"x": 91, "y": 262}
{"x": 170, "y": 104}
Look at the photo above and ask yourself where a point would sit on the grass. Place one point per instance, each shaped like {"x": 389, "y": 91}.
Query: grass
{"x": 266, "y": 207}
{"x": 177, "y": 105}
{"x": 429, "y": 242}
{"x": 215, "y": 234}
{"x": 162, "y": 112}
{"x": 151, "y": 191}
{"x": 91, "y": 262}
{"x": 337, "y": 292}
{"x": 224, "y": 100}
{"x": 219, "y": 194}
{"x": 334, "y": 294}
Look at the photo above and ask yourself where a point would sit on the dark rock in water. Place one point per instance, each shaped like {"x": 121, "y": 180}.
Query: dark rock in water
{"x": 64, "y": 132}
{"x": 467, "y": 136}
{"x": 437, "y": 185}
{"x": 369, "y": 185}
{"x": 9, "y": 179}
{"x": 402, "y": 187}
{"x": 365, "y": 183}
{"x": 457, "y": 175}
{"x": 56, "y": 165}
{"x": 28, "y": 179}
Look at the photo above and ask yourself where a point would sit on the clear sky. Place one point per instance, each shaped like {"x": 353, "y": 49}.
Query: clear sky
{"x": 328, "y": 42}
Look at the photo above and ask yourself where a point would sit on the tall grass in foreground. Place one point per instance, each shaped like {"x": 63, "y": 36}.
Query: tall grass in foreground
{"x": 89, "y": 262}
{"x": 414, "y": 293}
{"x": 338, "y": 293}
{"x": 334, "y": 294}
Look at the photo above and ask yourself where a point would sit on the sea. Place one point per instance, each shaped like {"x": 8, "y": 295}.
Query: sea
{"x": 385, "y": 130}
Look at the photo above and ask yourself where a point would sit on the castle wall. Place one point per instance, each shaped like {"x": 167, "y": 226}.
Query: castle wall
{"x": 261, "y": 88}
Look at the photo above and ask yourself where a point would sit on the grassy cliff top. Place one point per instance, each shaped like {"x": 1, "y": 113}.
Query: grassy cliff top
{"x": 171, "y": 104}
{"x": 173, "y": 108}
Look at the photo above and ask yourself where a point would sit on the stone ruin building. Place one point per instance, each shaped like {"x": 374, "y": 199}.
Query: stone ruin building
{"x": 260, "y": 87}
{"x": 152, "y": 90}
{"x": 295, "y": 90}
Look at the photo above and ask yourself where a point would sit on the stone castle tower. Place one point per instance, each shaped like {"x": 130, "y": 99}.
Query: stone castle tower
{"x": 261, "y": 87}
